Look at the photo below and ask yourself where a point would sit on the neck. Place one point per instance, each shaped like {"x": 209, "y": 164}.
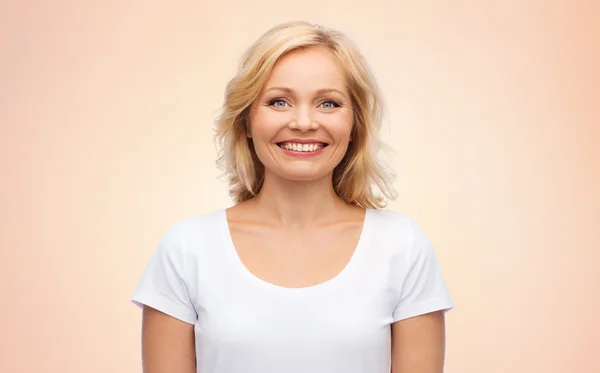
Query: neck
{"x": 299, "y": 204}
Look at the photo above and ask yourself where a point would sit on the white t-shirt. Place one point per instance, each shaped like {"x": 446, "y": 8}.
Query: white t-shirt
{"x": 246, "y": 325}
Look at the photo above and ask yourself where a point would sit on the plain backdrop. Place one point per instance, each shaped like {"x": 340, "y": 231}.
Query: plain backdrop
{"x": 106, "y": 140}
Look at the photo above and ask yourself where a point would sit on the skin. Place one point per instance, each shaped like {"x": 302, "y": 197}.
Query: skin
{"x": 297, "y": 205}
{"x": 167, "y": 343}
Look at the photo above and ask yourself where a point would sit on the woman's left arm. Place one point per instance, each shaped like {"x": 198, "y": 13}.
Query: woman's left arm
{"x": 419, "y": 344}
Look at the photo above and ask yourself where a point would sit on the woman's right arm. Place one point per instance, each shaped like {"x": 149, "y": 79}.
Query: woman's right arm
{"x": 168, "y": 344}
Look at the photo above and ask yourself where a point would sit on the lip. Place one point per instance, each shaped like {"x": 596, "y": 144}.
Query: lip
{"x": 303, "y": 141}
{"x": 293, "y": 153}
{"x": 297, "y": 154}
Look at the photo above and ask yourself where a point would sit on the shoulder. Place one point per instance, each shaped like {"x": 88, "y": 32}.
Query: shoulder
{"x": 190, "y": 232}
{"x": 389, "y": 216}
{"x": 398, "y": 230}
{"x": 392, "y": 222}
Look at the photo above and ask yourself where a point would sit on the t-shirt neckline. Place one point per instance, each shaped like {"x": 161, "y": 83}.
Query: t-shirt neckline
{"x": 241, "y": 269}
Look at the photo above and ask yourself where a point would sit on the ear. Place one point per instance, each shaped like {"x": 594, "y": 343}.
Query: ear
{"x": 247, "y": 129}
{"x": 247, "y": 126}
{"x": 353, "y": 131}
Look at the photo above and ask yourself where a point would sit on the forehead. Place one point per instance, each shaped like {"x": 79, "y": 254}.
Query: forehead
{"x": 307, "y": 69}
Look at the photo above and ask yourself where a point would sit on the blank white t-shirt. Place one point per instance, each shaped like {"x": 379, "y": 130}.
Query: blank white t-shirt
{"x": 246, "y": 325}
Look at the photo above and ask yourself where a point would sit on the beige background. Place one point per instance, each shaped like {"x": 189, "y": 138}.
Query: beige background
{"x": 106, "y": 111}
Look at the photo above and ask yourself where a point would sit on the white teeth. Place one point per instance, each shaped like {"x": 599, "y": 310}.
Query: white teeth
{"x": 302, "y": 147}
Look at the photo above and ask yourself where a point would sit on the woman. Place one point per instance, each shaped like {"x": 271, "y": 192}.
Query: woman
{"x": 306, "y": 273}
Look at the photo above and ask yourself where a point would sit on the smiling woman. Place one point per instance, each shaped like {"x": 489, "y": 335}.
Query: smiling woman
{"x": 315, "y": 74}
{"x": 306, "y": 272}
{"x": 305, "y": 106}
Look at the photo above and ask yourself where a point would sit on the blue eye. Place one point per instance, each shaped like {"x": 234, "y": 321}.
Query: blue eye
{"x": 277, "y": 103}
{"x": 329, "y": 104}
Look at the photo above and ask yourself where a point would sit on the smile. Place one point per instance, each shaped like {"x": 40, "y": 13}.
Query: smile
{"x": 302, "y": 147}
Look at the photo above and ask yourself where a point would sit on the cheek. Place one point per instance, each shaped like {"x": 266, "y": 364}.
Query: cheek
{"x": 264, "y": 125}
{"x": 340, "y": 127}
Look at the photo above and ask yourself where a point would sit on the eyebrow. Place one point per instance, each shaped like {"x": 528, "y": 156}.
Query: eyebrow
{"x": 319, "y": 92}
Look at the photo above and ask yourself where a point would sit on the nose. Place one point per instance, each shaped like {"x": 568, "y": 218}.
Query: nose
{"x": 302, "y": 120}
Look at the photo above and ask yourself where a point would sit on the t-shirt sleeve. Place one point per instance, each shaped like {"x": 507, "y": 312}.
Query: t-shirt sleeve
{"x": 423, "y": 289}
{"x": 163, "y": 282}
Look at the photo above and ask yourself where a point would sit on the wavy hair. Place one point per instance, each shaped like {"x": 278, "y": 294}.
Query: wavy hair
{"x": 359, "y": 178}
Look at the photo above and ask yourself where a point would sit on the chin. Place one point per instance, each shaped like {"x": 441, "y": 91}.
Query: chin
{"x": 301, "y": 175}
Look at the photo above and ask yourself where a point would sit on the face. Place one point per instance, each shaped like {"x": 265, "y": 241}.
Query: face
{"x": 301, "y": 124}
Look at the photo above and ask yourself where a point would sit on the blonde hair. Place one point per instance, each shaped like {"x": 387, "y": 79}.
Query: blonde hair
{"x": 359, "y": 175}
